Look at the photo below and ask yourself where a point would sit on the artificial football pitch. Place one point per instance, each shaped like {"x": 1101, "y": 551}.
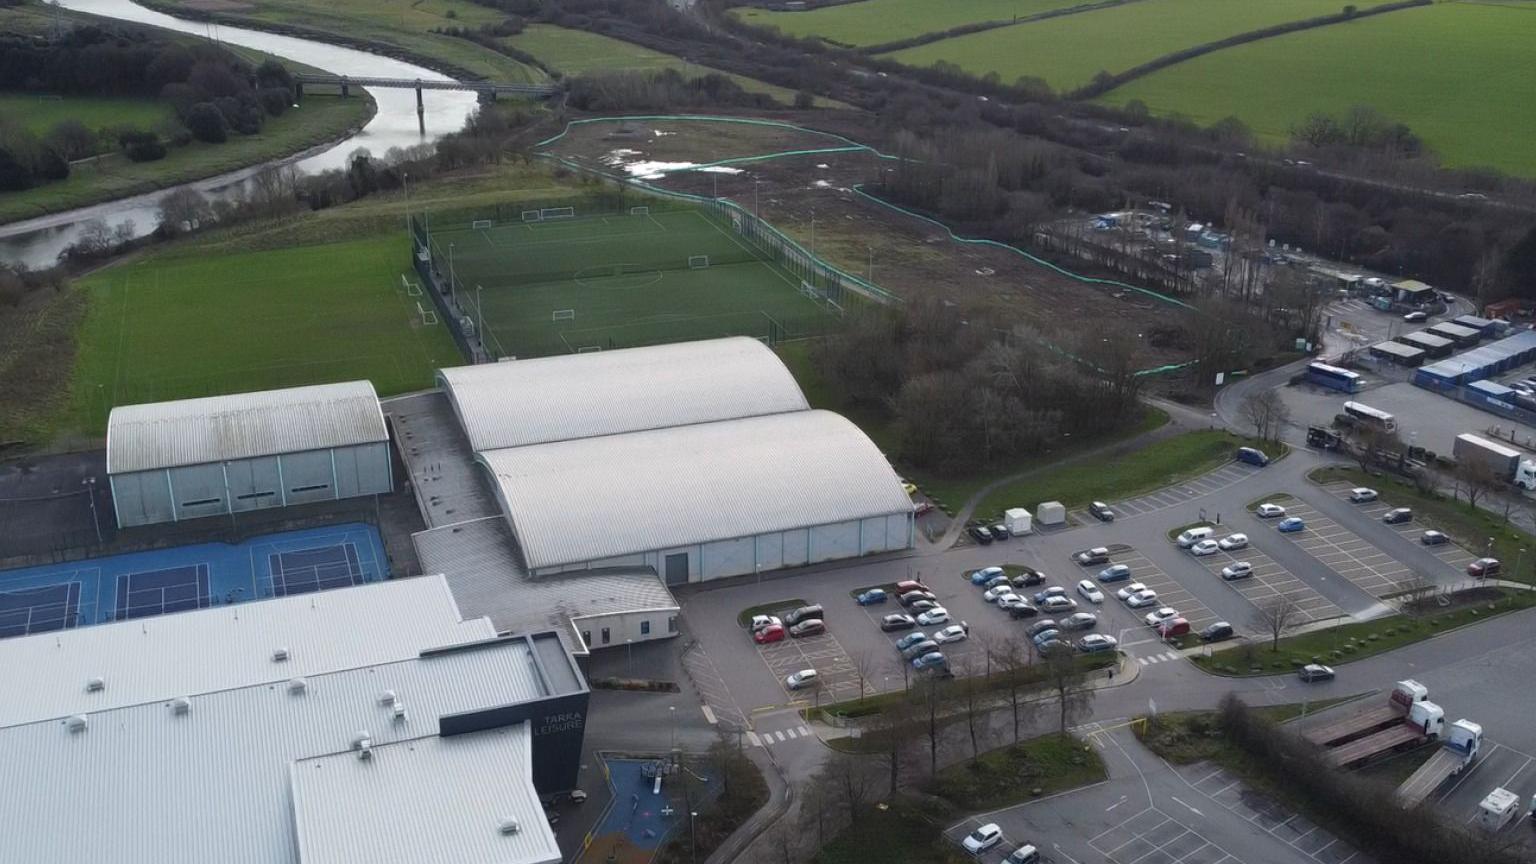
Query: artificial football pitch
{"x": 619, "y": 280}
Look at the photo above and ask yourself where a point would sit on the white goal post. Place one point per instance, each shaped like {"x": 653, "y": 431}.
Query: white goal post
{"x": 588, "y": 349}
{"x": 563, "y": 315}
{"x": 428, "y": 316}
{"x": 412, "y": 289}
{"x": 557, "y": 213}
{"x": 640, "y": 211}
{"x": 530, "y": 215}
{"x": 482, "y": 223}
{"x": 698, "y": 262}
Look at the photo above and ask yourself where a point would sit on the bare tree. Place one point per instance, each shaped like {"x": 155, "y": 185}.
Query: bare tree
{"x": 1012, "y": 656}
{"x": 929, "y": 694}
{"x": 863, "y": 664}
{"x": 851, "y": 781}
{"x": 783, "y": 843}
{"x": 1416, "y": 593}
{"x": 885, "y": 734}
{"x": 1276, "y": 616}
{"x": 972, "y": 705}
{"x": 817, "y": 810}
{"x": 1068, "y": 678}
{"x": 1371, "y": 441}
{"x": 1267, "y": 413}
{"x": 1477, "y": 478}
{"x": 183, "y": 210}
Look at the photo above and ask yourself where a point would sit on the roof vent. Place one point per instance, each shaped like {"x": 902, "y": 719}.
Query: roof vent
{"x": 297, "y": 686}
{"x": 279, "y": 655}
{"x": 509, "y": 826}
{"x": 362, "y": 742}
{"x": 181, "y": 705}
{"x": 95, "y": 685}
{"x": 76, "y": 723}
{"x": 398, "y": 712}
{"x": 388, "y": 698}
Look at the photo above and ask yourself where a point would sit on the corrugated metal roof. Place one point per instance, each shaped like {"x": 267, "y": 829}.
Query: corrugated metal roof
{"x": 144, "y": 785}
{"x": 437, "y": 799}
{"x": 449, "y": 486}
{"x": 1397, "y": 349}
{"x": 575, "y": 501}
{"x": 242, "y": 425}
{"x": 479, "y": 560}
{"x": 44, "y": 675}
{"x": 534, "y": 401}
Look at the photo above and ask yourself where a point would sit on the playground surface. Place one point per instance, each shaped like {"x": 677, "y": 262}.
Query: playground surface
{"x": 642, "y": 814}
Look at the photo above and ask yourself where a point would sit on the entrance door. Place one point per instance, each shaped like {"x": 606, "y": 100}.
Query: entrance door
{"x": 677, "y": 568}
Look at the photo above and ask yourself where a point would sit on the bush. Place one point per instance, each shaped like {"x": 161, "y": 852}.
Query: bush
{"x": 51, "y": 166}
{"x": 141, "y": 146}
{"x": 207, "y": 123}
{"x": 804, "y": 100}
{"x": 15, "y": 175}
{"x": 274, "y": 100}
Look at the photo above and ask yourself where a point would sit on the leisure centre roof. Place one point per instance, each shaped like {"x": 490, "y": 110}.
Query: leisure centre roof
{"x": 599, "y": 498}
{"x": 522, "y": 402}
{"x": 243, "y": 425}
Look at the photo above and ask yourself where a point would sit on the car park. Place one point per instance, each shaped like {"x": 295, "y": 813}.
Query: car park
{"x": 1039, "y": 627}
{"x": 936, "y": 615}
{"x": 1096, "y": 555}
{"x": 1397, "y": 516}
{"x": 980, "y": 534}
{"x": 1483, "y": 568}
{"x": 1058, "y": 603}
{"x": 983, "y": 838}
{"x": 761, "y": 621}
{"x": 1100, "y": 511}
{"x": 952, "y": 633}
{"x": 804, "y": 613}
{"x": 808, "y": 627}
{"x": 993, "y": 594}
{"x": 1096, "y": 642}
{"x": 1237, "y": 570}
{"x": 1204, "y": 548}
{"x": 1020, "y": 609}
{"x": 1434, "y": 538}
{"x": 1133, "y": 588}
{"x": 1029, "y": 579}
{"x": 872, "y": 597}
{"x": 1158, "y": 616}
{"x": 931, "y": 660}
{"x": 911, "y": 597}
{"x": 911, "y": 639}
{"x": 910, "y": 585}
{"x": 1315, "y": 672}
{"x": 985, "y": 574}
{"x": 1217, "y": 632}
{"x": 1192, "y": 536}
{"x": 995, "y": 581}
{"x": 897, "y": 622}
{"x": 771, "y": 633}
{"x": 1290, "y": 525}
{"x": 999, "y": 532}
{"x": 1141, "y": 598}
{"x": 1269, "y": 511}
{"x": 1173, "y": 628}
{"x": 918, "y": 649}
{"x": 1233, "y": 542}
{"x": 804, "y": 679}
{"x": 1080, "y": 621}
{"x": 922, "y": 604}
{"x": 1362, "y": 495}
{"x": 1090, "y": 591}
{"x": 1115, "y": 573}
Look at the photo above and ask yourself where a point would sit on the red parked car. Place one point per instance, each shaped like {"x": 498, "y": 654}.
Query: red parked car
{"x": 910, "y": 585}
{"x": 771, "y": 633}
{"x": 1173, "y": 627}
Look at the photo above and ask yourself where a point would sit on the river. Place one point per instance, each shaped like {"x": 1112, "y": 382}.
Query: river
{"x": 37, "y": 242}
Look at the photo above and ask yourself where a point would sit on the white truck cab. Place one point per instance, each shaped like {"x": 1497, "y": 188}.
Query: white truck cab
{"x": 1525, "y": 474}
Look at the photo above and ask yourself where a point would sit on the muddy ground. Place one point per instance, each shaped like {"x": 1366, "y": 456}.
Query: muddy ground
{"x": 909, "y": 256}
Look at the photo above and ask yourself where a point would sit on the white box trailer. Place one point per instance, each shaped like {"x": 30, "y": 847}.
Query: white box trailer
{"x": 1018, "y": 521}
{"x": 1498, "y": 809}
{"x": 1051, "y": 513}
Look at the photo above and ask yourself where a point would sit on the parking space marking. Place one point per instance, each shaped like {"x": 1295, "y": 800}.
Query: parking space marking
{"x": 1172, "y": 496}
{"x": 1265, "y": 814}
{"x": 834, "y": 668}
{"x": 1169, "y": 591}
{"x": 1270, "y": 579}
{"x": 711, "y": 686}
{"x": 1451, "y": 553}
{"x": 1153, "y": 835}
{"x": 1347, "y": 554}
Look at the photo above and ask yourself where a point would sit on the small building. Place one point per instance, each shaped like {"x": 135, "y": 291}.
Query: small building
{"x": 1464, "y": 337}
{"x": 1435, "y": 347}
{"x": 1507, "y": 309}
{"x": 170, "y": 461}
{"x": 1486, "y": 326}
{"x": 1398, "y": 353}
{"x": 1413, "y": 292}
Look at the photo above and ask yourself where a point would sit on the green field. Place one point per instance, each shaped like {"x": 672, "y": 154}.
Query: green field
{"x": 1068, "y": 51}
{"x": 175, "y": 327}
{"x": 875, "y": 22}
{"x": 621, "y": 280}
{"x": 39, "y": 113}
{"x": 1471, "y": 103}
{"x": 577, "y": 52}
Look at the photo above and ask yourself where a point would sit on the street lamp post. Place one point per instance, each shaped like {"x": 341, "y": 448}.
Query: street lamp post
{"x": 1518, "y": 559}
{"x": 629, "y": 657}
{"x": 755, "y": 210}
{"x": 90, "y": 487}
{"x": 451, "y": 277}
{"x": 693, "y": 840}
{"x": 672, "y": 714}
{"x": 480, "y": 324}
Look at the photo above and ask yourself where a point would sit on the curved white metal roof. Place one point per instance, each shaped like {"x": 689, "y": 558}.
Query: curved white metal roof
{"x": 596, "y": 498}
{"x": 243, "y": 425}
{"x": 536, "y": 401}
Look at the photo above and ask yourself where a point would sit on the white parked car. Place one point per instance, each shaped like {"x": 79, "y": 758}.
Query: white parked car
{"x": 1361, "y": 494}
{"x": 1232, "y": 542}
{"x": 801, "y": 680}
{"x": 952, "y": 633}
{"x": 983, "y": 838}
{"x": 1237, "y": 570}
{"x": 1090, "y": 591}
{"x": 761, "y": 621}
{"x": 1129, "y": 590}
{"x": 1141, "y": 598}
{"x": 1269, "y": 511}
{"x": 1166, "y": 613}
{"x": 1204, "y": 548}
{"x": 994, "y": 594}
{"x": 936, "y": 615}
{"x": 1058, "y": 603}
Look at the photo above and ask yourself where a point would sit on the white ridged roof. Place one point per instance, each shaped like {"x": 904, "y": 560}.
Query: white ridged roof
{"x": 143, "y": 785}
{"x": 430, "y": 800}
{"x": 596, "y": 498}
{"x": 43, "y": 676}
{"x": 198, "y": 431}
{"x": 523, "y": 402}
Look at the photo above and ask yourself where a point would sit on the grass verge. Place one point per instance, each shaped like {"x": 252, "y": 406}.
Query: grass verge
{"x": 1361, "y": 639}
{"x": 997, "y": 683}
{"x": 1183, "y": 737}
{"x": 1014, "y": 774}
{"x": 901, "y": 829}
{"x": 1469, "y": 527}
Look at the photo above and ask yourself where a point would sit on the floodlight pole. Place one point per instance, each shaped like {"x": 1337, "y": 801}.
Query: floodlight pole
{"x": 480, "y": 324}
{"x": 813, "y": 233}
{"x": 871, "y": 265}
{"x": 756, "y": 213}
{"x": 450, "y": 272}
{"x": 90, "y": 486}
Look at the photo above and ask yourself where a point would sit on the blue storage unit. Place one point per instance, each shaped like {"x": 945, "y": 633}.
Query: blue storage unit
{"x": 1479, "y": 363}
{"x": 1486, "y": 326}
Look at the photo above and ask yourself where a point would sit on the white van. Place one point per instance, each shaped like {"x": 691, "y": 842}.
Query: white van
{"x": 1195, "y": 535}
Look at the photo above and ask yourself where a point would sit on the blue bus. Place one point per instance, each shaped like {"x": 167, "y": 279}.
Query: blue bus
{"x": 1333, "y": 377}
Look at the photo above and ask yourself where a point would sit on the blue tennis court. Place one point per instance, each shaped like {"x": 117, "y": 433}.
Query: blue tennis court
{"x": 163, "y": 581}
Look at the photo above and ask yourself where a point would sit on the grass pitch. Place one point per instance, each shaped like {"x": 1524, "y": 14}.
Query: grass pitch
{"x": 39, "y": 113}
{"x": 621, "y": 280}
{"x": 199, "y": 325}
{"x": 1068, "y": 51}
{"x": 1471, "y": 104}
{"x": 875, "y": 22}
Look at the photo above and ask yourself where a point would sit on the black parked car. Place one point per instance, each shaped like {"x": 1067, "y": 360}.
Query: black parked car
{"x": 1028, "y": 579}
{"x": 1101, "y": 511}
{"x": 1397, "y": 516}
{"x": 979, "y": 534}
{"x": 999, "y": 532}
{"x": 897, "y": 622}
{"x": 911, "y": 597}
{"x": 1217, "y": 632}
{"x": 1023, "y": 610}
